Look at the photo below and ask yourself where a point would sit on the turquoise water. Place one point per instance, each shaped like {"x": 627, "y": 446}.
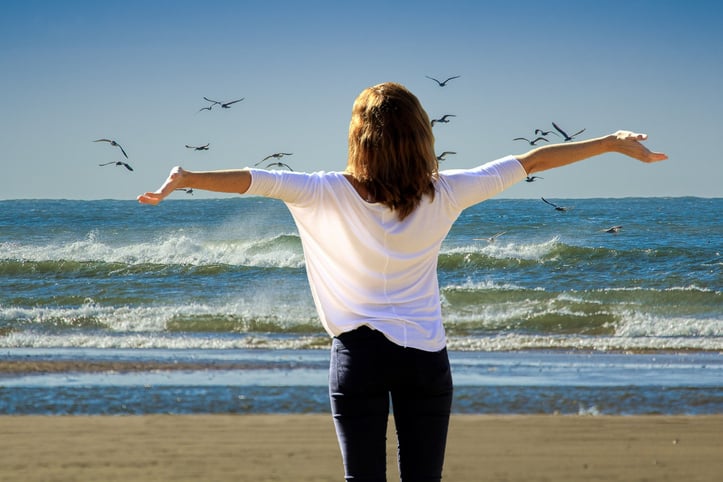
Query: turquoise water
{"x": 89, "y": 279}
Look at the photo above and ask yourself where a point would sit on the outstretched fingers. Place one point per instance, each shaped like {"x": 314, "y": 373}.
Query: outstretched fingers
{"x": 631, "y": 145}
{"x": 172, "y": 183}
{"x": 656, "y": 156}
{"x": 150, "y": 198}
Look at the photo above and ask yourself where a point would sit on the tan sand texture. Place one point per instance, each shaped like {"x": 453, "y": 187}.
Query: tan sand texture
{"x": 261, "y": 448}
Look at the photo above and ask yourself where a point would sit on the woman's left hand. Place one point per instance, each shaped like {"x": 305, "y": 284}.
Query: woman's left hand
{"x": 629, "y": 143}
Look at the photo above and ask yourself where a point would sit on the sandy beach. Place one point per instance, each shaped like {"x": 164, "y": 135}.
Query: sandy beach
{"x": 303, "y": 448}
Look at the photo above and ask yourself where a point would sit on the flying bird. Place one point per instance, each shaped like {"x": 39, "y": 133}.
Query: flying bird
{"x": 199, "y": 148}
{"x": 530, "y": 142}
{"x": 540, "y": 132}
{"x": 557, "y": 208}
{"x": 186, "y": 190}
{"x": 209, "y": 107}
{"x": 532, "y": 178}
{"x": 444, "y": 119}
{"x": 213, "y": 102}
{"x": 613, "y": 229}
{"x": 280, "y": 164}
{"x": 117, "y": 163}
{"x": 443, "y": 83}
{"x": 564, "y": 134}
{"x": 224, "y": 105}
{"x": 492, "y": 238}
{"x": 444, "y": 154}
{"x": 113, "y": 143}
{"x": 277, "y": 155}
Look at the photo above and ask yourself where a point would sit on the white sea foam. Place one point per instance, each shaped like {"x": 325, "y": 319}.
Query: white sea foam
{"x": 155, "y": 318}
{"x": 516, "y": 341}
{"x": 160, "y": 340}
{"x": 491, "y": 343}
{"x": 507, "y": 250}
{"x": 484, "y": 285}
{"x": 637, "y": 325}
{"x": 177, "y": 248}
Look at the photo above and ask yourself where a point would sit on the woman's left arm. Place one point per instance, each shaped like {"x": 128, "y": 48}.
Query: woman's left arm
{"x": 557, "y": 155}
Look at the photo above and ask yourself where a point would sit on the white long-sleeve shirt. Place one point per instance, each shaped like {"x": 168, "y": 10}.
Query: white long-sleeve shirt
{"x": 364, "y": 265}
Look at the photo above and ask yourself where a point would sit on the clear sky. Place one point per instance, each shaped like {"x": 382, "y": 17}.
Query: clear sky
{"x": 137, "y": 72}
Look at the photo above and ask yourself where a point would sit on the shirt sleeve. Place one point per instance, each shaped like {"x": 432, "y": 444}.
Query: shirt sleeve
{"x": 290, "y": 187}
{"x": 472, "y": 186}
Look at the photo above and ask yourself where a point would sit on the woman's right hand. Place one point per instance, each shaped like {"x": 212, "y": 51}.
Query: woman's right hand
{"x": 174, "y": 181}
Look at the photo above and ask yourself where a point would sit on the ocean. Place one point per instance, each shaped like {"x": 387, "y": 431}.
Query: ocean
{"x": 554, "y": 315}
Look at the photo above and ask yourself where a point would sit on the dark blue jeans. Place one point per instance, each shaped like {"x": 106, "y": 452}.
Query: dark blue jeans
{"x": 366, "y": 370}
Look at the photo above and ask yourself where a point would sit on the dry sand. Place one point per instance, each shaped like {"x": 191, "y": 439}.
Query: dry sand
{"x": 303, "y": 448}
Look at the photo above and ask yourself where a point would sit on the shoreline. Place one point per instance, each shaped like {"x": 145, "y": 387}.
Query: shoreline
{"x": 45, "y": 364}
{"x": 130, "y": 383}
{"x": 513, "y": 448}
{"x": 41, "y": 366}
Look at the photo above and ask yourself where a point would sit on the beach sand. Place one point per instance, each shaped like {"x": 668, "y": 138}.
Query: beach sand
{"x": 303, "y": 448}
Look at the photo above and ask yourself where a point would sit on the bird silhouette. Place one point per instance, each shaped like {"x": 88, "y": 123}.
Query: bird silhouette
{"x": 532, "y": 142}
{"x": 532, "y": 178}
{"x": 224, "y": 105}
{"x": 564, "y": 134}
{"x": 113, "y": 143}
{"x": 444, "y": 82}
{"x": 213, "y": 102}
{"x": 279, "y": 164}
{"x": 117, "y": 163}
{"x": 277, "y": 155}
{"x": 444, "y": 154}
{"x": 557, "y": 208}
{"x": 540, "y": 132}
{"x": 492, "y": 238}
{"x": 444, "y": 119}
{"x": 186, "y": 190}
{"x": 198, "y": 148}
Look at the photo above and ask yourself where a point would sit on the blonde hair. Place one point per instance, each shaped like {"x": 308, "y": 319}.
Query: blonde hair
{"x": 391, "y": 147}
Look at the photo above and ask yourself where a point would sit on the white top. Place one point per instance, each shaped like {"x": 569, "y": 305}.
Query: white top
{"x": 365, "y": 267}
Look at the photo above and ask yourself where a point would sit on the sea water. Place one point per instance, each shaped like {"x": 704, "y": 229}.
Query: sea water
{"x": 553, "y": 315}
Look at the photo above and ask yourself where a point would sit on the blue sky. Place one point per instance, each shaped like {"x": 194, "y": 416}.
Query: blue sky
{"x": 137, "y": 72}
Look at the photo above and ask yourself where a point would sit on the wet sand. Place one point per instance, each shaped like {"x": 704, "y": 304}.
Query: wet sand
{"x": 303, "y": 448}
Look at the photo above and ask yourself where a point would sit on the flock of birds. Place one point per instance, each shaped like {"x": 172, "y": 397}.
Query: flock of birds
{"x": 540, "y": 135}
{"x": 116, "y": 163}
{"x": 274, "y": 159}
{"x": 205, "y": 147}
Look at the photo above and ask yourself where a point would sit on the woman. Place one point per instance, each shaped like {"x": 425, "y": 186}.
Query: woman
{"x": 371, "y": 237}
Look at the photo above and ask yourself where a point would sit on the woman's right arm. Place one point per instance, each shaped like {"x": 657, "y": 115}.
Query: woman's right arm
{"x": 229, "y": 181}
